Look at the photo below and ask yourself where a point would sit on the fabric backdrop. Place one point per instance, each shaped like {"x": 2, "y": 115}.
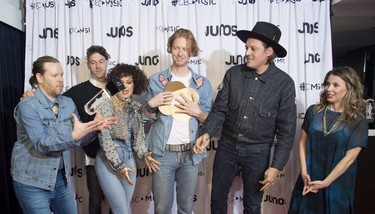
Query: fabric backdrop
{"x": 136, "y": 32}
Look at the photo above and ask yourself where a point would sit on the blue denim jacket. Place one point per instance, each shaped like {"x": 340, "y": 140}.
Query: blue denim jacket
{"x": 161, "y": 128}
{"x": 253, "y": 109}
{"x": 42, "y": 139}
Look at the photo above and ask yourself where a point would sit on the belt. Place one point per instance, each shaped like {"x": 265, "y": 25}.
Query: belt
{"x": 178, "y": 147}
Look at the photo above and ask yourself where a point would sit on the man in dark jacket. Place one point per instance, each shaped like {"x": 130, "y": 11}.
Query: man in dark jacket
{"x": 251, "y": 117}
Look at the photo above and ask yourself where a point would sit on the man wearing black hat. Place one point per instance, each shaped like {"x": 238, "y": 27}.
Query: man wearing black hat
{"x": 255, "y": 105}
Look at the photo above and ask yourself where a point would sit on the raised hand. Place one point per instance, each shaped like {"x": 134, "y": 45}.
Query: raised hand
{"x": 81, "y": 129}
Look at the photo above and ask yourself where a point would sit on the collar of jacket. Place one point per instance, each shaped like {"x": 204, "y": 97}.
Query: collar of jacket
{"x": 250, "y": 73}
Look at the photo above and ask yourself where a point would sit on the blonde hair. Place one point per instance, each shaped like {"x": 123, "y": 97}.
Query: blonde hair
{"x": 188, "y": 35}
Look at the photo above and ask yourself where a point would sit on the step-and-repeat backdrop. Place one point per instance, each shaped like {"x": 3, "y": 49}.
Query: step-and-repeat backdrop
{"x": 136, "y": 32}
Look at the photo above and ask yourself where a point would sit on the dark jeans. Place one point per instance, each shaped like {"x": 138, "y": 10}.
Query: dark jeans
{"x": 228, "y": 159}
{"x": 96, "y": 193}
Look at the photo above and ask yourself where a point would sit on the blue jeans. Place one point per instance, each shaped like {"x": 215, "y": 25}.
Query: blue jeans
{"x": 253, "y": 163}
{"x": 174, "y": 167}
{"x": 116, "y": 190}
{"x": 35, "y": 200}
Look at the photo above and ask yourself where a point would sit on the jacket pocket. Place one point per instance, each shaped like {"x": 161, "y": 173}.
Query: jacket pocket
{"x": 265, "y": 120}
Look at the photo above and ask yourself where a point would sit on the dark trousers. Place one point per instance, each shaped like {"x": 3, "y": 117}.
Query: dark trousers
{"x": 96, "y": 194}
{"x": 253, "y": 163}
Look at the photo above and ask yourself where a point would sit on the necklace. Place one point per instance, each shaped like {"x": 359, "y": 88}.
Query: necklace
{"x": 119, "y": 102}
{"x": 325, "y": 132}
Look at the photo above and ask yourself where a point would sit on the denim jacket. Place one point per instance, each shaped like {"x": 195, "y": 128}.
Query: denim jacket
{"x": 253, "y": 108}
{"x": 42, "y": 138}
{"x": 161, "y": 127}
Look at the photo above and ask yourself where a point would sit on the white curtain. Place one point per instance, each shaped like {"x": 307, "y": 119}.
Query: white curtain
{"x": 136, "y": 32}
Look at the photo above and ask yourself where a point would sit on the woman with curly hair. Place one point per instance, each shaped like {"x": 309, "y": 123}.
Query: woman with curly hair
{"x": 332, "y": 135}
{"x": 115, "y": 160}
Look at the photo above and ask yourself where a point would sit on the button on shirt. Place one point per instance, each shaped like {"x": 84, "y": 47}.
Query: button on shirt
{"x": 252, "y": 109}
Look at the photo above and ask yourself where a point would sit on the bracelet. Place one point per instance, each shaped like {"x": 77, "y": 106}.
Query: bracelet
{"x": 122, "y": 168}
{"x": 150, "y": 109}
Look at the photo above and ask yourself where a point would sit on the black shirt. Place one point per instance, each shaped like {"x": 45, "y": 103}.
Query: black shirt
{"x": 81, "y": 94}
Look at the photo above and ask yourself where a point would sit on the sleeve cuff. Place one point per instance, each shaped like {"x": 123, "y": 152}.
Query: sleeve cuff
{"x": 150, "y": 109}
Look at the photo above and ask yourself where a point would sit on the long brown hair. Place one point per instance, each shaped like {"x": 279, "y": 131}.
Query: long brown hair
{"x": 353, "y": 102}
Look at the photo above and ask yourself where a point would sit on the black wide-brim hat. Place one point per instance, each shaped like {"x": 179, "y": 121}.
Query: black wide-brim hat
{"x": 267, "y": 33}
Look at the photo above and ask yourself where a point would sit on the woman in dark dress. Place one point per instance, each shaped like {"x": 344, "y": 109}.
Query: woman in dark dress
{"x": 333, "y": 133}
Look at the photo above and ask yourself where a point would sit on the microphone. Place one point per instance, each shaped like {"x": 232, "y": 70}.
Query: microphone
{"x": 113, "y": 86}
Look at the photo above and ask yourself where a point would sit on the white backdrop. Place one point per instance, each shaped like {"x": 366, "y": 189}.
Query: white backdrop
{"x": 137, "y": 32}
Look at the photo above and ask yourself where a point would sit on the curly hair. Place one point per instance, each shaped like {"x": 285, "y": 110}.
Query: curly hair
{"x": 353, "y": 102}
{"x": 124, "y": 70}
{"x": 188, "y": 35}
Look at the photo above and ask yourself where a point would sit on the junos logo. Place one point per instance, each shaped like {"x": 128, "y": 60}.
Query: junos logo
{"x": 274, "y": 200}
{"x": 195, "y": 61}
{"x": 279, "y": 60}
{"x": 304, "y": 86}
{"x": 120, "y": 32}
{"x": 312, "y": 58}
{"x": 245, "y": 2}
{"x": 190, "y": 2}
{"x": 236, "y": 60}
{"x": 233, "y": 198}
{"x": 148, "y": 60}
{"x": 201, "y": 173}
{"x": 309, "y": 28}
{"x": 212, "y": 145}
{"x": 221, "y": 30}
{"x": 39, "y": 5}
{"x": 49, "y": 33}
{"x": 168, "y": 28}
{"x": 150, "y": 2}
{"x": 146, "y": 198}
{"x": 112, "y": 63}
{"x": 79, "y": 198}
{"x": 284, "y": 1}
{"x": 76, "y": 171}
{"x": 143, "y": 172}
{"x": 281, "y": 175}
{"x": 73, "y": 60}
{"x": 105, "y": 3}
{"x": 79, "y": 30}
{"x": 71, "y": 3}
